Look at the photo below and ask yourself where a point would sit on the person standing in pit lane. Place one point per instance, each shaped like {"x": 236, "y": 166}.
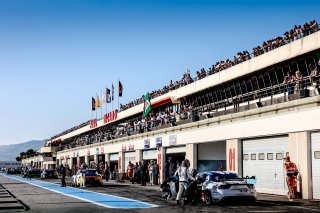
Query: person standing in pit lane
{"x": 144, "y": 173}
{"x": 107, "y": 172}
{"x": 63, "y": 172}
{"x": 292, "y": 173}
{"x": 184, "y": 175}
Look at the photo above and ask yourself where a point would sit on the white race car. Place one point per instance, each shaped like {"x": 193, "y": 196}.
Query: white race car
{"x": 220, "y": 186}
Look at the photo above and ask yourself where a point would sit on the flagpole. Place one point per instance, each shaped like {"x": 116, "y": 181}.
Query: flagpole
{"x": 102, "y": 103}
{"x": 107, "y": 99}
{"x": 112, "y": 95}
{"x": 118, "y": 95}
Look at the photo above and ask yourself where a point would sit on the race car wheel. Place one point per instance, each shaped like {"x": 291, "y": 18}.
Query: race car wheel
{"x": 207, "y": 198}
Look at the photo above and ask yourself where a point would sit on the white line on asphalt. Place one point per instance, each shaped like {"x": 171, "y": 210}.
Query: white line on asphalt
{"x": 266, "y": 211}
{"x": 297, "y": 207}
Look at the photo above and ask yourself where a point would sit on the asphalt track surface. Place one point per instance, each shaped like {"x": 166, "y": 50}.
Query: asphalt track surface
{"x": 117, "y": 197}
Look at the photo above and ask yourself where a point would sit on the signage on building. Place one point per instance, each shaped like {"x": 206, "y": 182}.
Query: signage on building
{"x": 88, "y": 152}
{"x": 97, "y": 151}
{"x": 124, "y": 147}
{"x": 131, "y": 146}
{"x": 172, "y": 140}
{"x": 62, "y": 157}
{"x": 93, "y": 123}
{"x": 110, "y": 116}
{"x": 159, "y": 142}
{"x": 232, "y": 159}
{"x": 102, "y": 150}
{"x": 147, "y": 143}
{"x": 67, "y": 157}
{"x": 114, "y": 157}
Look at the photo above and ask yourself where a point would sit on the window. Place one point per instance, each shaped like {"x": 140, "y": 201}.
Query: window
{"x": 245, "y": 157}
{"x": 279, "y": 156}
{"x": 317, "y": 155}
{"x": 270, "y": 156}
{"x": 261, "y": 156}
{"x": 253, "y": 157}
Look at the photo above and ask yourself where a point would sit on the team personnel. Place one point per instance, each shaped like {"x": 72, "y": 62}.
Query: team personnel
{"x": 184, "y": 175}
{"x": 292, "y": 172}
{"x": 63, "y": 172}
{"x": 130, "y": 171}
{"x": 107, "y": 172}
{"x": 144, "y": 173}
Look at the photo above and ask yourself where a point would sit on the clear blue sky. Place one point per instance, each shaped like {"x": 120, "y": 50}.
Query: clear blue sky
{"x": 56, "y": 54}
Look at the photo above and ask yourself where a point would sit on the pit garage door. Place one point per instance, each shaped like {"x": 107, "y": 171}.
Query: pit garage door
{"x": 315, "y": 154}
{"x": 263, "y": 158}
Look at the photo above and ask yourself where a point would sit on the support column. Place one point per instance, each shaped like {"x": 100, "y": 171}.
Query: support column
{"x": 107, "y": 158}
{"x": 87, "y": 160}
{"x": 162, "y": 163}
{"x": 299, "y": 151}
{"x": 234, "y": 156}
{"x": 138, "y": 155}
{"x": 78, "y": 161}
{"x": 191, "y": 155}
{"x": 121, "y": 162}
{"x": 71, "y": 163}
{"x": 95, "y": 158}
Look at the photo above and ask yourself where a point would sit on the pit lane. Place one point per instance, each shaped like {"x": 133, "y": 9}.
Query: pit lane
{"x": 43, "y": 200}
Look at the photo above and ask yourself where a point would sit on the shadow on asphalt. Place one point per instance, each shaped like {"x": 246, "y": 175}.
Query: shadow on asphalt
{"x": 278, "y": 202}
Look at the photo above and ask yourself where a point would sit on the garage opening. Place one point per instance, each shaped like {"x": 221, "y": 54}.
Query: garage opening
{"x": 129, "y": 156}
{"x": 212, "y": 156}
{"x": 175, "y": 155}
{"x": 113, "y": 164}
{"x": 82, "y": 160}
{"x": 101, "y": 159}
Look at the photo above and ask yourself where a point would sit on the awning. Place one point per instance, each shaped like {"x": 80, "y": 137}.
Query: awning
{"x": 164, "y": 101}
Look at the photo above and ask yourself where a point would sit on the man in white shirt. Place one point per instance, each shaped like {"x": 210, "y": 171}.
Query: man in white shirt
{"x": 184, "y": 176}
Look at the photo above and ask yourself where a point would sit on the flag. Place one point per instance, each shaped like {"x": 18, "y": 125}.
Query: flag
{"x": 108, "y": 96}
{"x": 98, "y": 102}
{"x": 104, "y": 95}
{"x": 93, "y": 104}
{"x": 120, "y": 89}
{"x": 112, "y": 96}
{"x": 147, "y": 105}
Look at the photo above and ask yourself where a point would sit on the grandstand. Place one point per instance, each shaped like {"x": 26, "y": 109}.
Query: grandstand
{"x": 243, "y": 115}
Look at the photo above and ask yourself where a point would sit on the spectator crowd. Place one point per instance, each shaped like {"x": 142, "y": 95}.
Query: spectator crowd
{"x": 295, "y": 33}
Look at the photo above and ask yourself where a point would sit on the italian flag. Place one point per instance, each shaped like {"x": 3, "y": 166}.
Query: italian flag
{"x": 147, "y": 104}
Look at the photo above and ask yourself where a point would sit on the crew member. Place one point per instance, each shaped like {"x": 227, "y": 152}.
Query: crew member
{"x": 63, "y": 172}
{"x": 144, "y": 173}
{"x": 107, "y": 172}
{"x": 184, "y": 176}
{"x": 292, "y": 172}
{"x": 130, "y": 171}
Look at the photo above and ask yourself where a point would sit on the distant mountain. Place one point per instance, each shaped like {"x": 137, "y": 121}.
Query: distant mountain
{"x": 10, "y": 152}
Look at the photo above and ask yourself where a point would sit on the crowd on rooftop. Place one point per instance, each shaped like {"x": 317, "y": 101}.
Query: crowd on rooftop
{"x": 295, "y": 33}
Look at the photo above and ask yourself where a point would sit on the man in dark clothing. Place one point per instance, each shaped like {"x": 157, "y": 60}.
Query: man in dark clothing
{"x": 107, "y": 172}
{"x": 63, "y": 172}
{"x": 144, "y": 173}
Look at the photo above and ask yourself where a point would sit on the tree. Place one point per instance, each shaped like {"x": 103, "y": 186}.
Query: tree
{"x": 18, "y": 158}
{"x": 22, "y": 154}
{"x": 30, "y": 152}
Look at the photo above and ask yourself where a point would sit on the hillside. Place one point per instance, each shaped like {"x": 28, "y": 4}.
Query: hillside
{"x": 10, "y": 152}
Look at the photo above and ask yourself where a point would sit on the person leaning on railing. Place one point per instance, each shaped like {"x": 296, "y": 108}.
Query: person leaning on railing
{"x": 289, "y": 81}
{"x": 314, "y": 78}
{"x": 298, "y": 82}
